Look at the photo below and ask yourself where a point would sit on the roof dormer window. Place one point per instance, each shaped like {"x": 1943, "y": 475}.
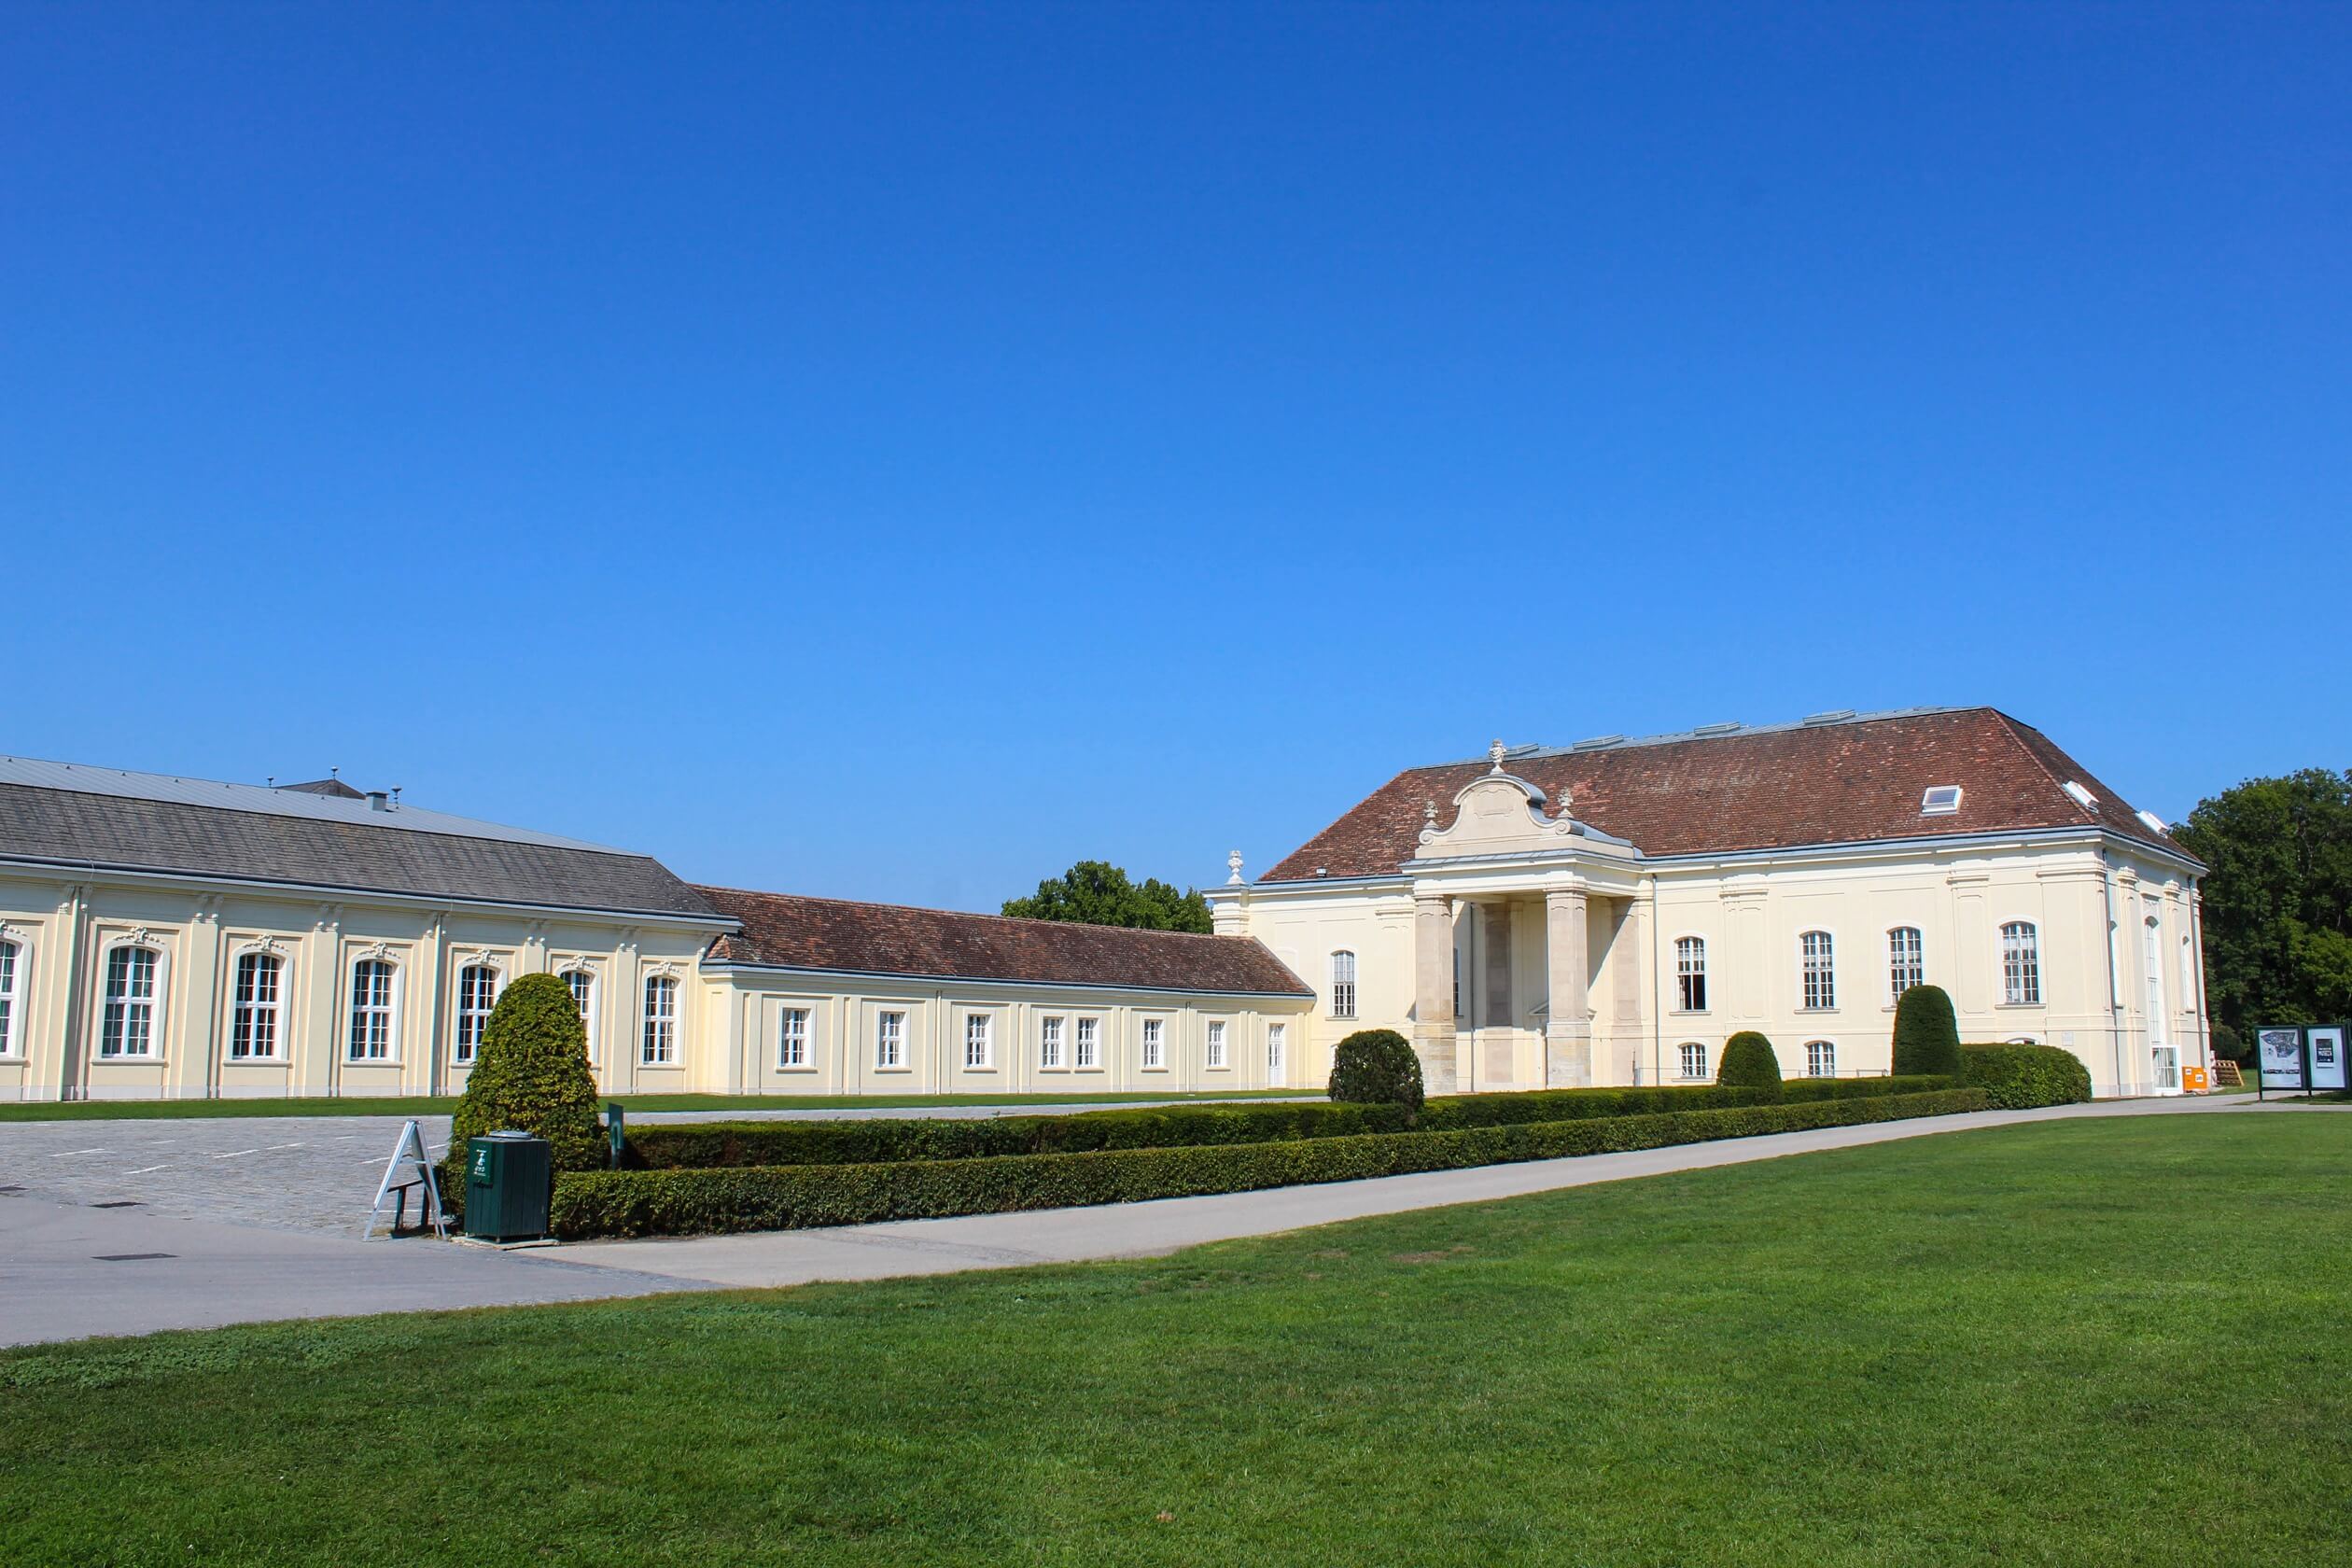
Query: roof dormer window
{"x": 1941, "y": 800}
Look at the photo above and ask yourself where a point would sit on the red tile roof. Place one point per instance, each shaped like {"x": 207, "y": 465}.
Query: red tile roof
{"x": 1849, "y": 781}
{"x": 789, "y": 932}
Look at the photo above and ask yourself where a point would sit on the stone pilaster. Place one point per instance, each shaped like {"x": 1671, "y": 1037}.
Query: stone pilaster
{"x": 1433, "y": 992}
{"x": 1568, "y": 1009}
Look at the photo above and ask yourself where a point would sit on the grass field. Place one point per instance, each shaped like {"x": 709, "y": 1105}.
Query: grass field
{"x": 2083, "y": 1342}
{"x": 441, "y": 1105}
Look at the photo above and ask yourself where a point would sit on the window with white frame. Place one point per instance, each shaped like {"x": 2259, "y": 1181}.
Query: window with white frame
{"x": 1155, "y": 1043}
{"x": 253, "y": 1011}
{"x": 477, "y": 994}
{"x": 890, "y": 1040}
{"x": 792, "y": 1037}
{"x": 1821, "y": 971}
{"x": 979, "y": 1039}
{"x": 1343, "y": 985}
{"x": 1277, "y": 1039}
{"x": 126, "y": 1028}
{"x": 583, "y": 985}
{"x": 1940, "y": 800}
{"x": 1049, "y": 1041}
{"x": 1089, "y": 1043}
{"x": 1690, "y": 973}
{"x": 11, "y": 1008}
{"x": 1215, "y": 1047}
{"x": 1821, "y": 1059}
{"x": 1905, "y": 961}
{"x": 1694, "y": 1060}
{"x": 370, "y": 1037}
{"x": 2021, "y": 964}
{"x": 657, "y": 1043}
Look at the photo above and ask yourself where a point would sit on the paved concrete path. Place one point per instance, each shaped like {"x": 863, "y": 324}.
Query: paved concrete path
{"x": 69, "y": 1272}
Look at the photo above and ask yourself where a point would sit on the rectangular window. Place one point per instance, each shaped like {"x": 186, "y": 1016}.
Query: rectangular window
{"x": 659, "y": 1045}
{"x": 477, "y": 994}
{"x": 1821, "y": 1059}
{"x": 1216, "y": 1043}
{"x": 128, "y": 1026}
{"x": 1905, "y": 961}
{"x": 1277, "y": 1037}
{"x": 371, "y": 1010}
{"x": 980, "y": 1040}
{"x": 1049, "y": 1043}
{"x": 2021, "y": 965}
{"x": 253, "y": 1019}
{"x": 1690, "y": 973}
{"x": 890, "y": 1040}
{"x": 1154, "y": 1047}
{"x": 1089, "y": 1043}
{"x": 10, "y": 957}
{"x": 791, "y": 1038}
{"x": 1343, "y": 985}
{"x": 1821, "y": 974}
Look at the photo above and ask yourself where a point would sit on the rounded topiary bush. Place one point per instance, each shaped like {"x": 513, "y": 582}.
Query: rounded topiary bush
{"x": 2020, "y": 1077}
{"x": 531, "y": 1073}
{"x": 1927, "y": 1036}
{"x": 1377, "y": 1067}
{"x": 1749, "y": 1062}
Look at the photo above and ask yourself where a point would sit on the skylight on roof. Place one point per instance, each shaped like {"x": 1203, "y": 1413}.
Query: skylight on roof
{"x": 2153, "y": 821}
{"x": 2083, "y": 797}
{"x": 1941, "y": 800}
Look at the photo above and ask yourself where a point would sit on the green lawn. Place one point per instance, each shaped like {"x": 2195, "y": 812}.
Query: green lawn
{"x": 441, "y": 1105}
{"x": 2082, "y": 1342}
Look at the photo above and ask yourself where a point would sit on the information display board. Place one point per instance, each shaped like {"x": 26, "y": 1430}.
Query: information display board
{"x": 2325, "y": 1044}
{"x": 2280, "y": 1055}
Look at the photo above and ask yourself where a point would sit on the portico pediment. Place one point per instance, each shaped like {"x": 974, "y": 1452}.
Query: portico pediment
{"x": 1497, "y": 812}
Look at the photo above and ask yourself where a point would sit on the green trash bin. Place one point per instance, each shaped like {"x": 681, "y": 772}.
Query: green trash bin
{"x": 510, "y": 1178}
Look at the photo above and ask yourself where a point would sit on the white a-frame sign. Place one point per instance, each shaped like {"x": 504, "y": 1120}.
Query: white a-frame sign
{"x": 409, "y": 1168}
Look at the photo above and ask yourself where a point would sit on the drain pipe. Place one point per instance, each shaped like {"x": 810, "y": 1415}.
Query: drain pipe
{"x": 2115, "y": 1023}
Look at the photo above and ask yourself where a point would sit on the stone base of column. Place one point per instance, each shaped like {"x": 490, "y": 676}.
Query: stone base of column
{"x": 1567, "y": 1058}
{"x": 1435, "y": 1048}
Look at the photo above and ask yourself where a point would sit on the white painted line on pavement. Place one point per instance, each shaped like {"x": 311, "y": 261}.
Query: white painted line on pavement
{"x": 276, "y": 1146}
{"x": 234, "y": 1152}
{"x": 69, "y": 1154}
{"x": 144, "y": 1168}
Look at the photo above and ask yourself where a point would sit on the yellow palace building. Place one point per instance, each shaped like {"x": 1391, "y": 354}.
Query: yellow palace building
{"x": 1603, "y": 913}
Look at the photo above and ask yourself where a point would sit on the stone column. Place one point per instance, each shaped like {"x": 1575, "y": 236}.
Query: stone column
{"x": 1432, "y": 991}
{"x": 1568, "y": 1010}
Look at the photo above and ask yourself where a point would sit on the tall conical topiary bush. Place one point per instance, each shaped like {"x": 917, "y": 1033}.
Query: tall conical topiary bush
{"x": 1749, "y": 1062}
{"x": 531, "y": 1072}
{"x": 1927, "y": 1036}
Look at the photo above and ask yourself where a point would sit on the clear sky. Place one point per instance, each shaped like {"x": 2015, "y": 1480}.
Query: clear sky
{"x": 896, "y": 452}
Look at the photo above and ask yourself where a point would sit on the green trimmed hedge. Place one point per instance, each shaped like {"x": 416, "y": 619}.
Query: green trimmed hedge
{"x": 2020, "y": 1077}
{"x": 786, "y": 1198}
{"x": 713, "y": 1145}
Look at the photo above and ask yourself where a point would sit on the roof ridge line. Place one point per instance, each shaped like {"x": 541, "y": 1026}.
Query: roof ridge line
{"x": 2009, "y": 726}
{"x": 961, "y": 914}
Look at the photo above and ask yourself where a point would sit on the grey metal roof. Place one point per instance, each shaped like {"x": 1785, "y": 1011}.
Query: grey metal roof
{"x": 288, "y": 801}
{"x": 323, "y": 843}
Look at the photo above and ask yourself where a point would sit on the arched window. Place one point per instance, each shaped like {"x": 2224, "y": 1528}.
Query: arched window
{"x": 127, "y": 1027}
{"x": 372, "y": 1034}
{"x": 1690, "y": 973}
{"x": 658, "y": 1046}
{"x": 477, "y": 994}
{"x": 1905, "y": 961}
{"x": 1343, "y": 985}
{"x": 11, "y": 1008}
{"x": 584, "y": 989}
{"x": 2021, "y": 964}
{"x": 1821, "y": 1059}
{"x": 1694, "y": 1060}
{"x": 1820, "y": 971}
{"x": 253, "y": 1017}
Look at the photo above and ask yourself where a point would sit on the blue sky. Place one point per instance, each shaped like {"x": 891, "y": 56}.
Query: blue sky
{"x": 896, "y": 452}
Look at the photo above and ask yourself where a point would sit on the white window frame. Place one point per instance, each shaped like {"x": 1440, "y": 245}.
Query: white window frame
{"x": 1941, "y": 799}
{"x": 15, "y": 960}
{"x": 365, "y": 1017}
{"x": 473, "y": 1013}
{"x": 1691, "y": 974}
{"x": 657, "y": 1034}
{"x": 1051, "y": 1029}
{"x": 1816, "y": 971}
{"x": 1899, "y": 964}
{"x": 256, "y": 1021}
{"x": 1692, "y": 1058}
{"x": 146, "y": 1008}
{"x": 979, "y": 1042}
{"x": 2021, "y": 963}
{"x": 1154, "y": 1044}
{"x": 576, "y": 977}
{"x": 1821, "y": 1059}
{"x": 1213, "y": 1047}
{"x": 1087, "y": 1056}
{"x": 890, "y": 1040}
{"x": 1277, "y": 1050}
{"x": 1343, "y": 982}
{"x": 792, "y": 1037}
